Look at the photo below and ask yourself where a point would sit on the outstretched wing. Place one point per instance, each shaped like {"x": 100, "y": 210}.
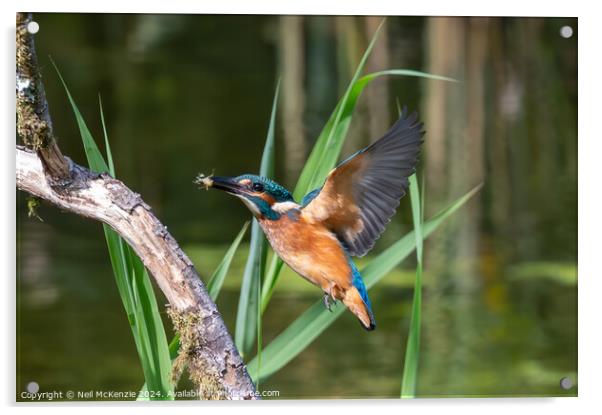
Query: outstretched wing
{"x": 361, "y": 194}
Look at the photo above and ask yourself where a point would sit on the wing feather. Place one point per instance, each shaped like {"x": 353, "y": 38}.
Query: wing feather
{"x": 361, "y": 195}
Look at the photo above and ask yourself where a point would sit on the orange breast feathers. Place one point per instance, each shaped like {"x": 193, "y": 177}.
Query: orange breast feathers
{"x": 312, "y": 251}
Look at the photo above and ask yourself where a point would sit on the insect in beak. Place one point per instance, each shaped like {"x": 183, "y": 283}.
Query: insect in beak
{"x": 204, "y": 181}
{"x": 227, "y": 184}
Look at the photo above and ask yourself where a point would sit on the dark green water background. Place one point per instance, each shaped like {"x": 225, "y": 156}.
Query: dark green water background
{"x": 189, "y": 94}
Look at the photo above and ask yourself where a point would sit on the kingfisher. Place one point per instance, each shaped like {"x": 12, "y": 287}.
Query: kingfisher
{"x": 341, "y": 219}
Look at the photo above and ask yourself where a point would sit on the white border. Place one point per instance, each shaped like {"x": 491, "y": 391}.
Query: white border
{"x": 348, "y": 7}
{"x": 590, "y": 98}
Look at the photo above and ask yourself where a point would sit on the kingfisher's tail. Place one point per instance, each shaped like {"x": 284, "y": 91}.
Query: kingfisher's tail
{"x": 356, "y": 299}
{"x": 353, "y": 301}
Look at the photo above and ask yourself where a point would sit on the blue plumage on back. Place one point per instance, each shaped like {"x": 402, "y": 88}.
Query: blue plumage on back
{"x": 310, "y": 196}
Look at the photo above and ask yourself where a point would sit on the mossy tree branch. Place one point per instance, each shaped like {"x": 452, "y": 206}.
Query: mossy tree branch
{"x": 213, "y": 360}
{"x": 33, "y": 118}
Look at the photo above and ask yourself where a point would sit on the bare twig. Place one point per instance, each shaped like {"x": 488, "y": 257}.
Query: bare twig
{"x": 213, "y": 360}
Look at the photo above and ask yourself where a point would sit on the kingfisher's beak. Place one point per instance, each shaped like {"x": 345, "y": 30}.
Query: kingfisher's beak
{"x": 227, "y": 184}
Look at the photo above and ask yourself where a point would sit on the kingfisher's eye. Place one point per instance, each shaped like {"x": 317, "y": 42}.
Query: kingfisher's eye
{"x": 258, "y": 187}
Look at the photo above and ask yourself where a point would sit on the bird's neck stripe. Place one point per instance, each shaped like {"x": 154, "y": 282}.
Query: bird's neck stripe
{"x": 283, "y": 207}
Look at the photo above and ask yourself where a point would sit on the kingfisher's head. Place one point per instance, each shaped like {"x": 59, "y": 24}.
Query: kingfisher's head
{"x": 265, "y": 198}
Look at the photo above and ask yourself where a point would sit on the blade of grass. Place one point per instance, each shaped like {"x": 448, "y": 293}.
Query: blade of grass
{"x": 329, "y": 153}
{"x": 410, "y": 367}
{"x": 151, "y": 331}
{"x": 422, "y": 186}
{"x": 298, "y": 335}
{"x": 132, "y": 280}
{"x": 268, "y": 163}
{"x": 93, "y": 154}
{"x": 270, "y": 280}
{"x": 174, "y": 348}
{"x": 150, "y": 324}
{"x": 216, "y": 281}
{"x": 259, "y": 335}
{"x": 249, "y": 301}
{"x": 106, "y": 137}
{"x": 330, "y": 140}
{"x": 213, "y": 287}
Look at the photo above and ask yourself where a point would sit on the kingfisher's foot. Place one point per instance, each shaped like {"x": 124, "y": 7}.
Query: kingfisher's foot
{"x": 327, "y": 302}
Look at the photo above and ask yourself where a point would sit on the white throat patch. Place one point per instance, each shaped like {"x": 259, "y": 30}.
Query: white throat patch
{"x": 283, "y": 207}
